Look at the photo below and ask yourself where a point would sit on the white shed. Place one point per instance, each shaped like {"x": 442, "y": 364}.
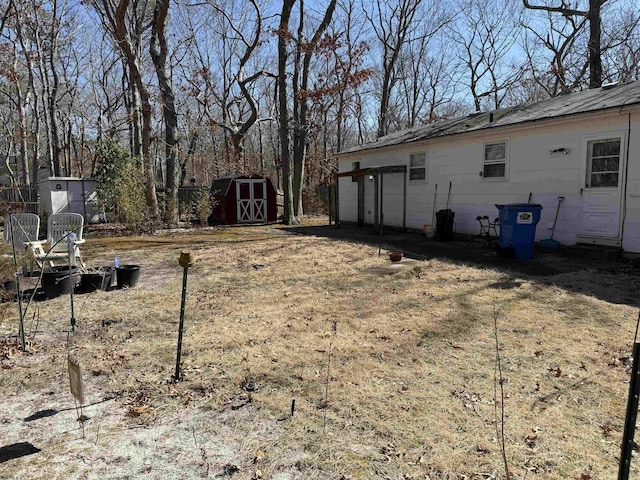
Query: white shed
{"x": 584, "y": 147}
{"x": 67, "y": 194}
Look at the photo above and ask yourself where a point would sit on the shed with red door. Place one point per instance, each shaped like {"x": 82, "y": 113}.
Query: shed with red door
{"x": 243, "y": 199}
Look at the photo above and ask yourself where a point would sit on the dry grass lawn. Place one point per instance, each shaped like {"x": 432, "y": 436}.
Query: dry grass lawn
{"x": 392, "y": 375}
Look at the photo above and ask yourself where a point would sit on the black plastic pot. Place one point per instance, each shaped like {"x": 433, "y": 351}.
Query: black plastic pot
{"x": 127, "y": 275}
{"x": 55, "y": 280}
{"x": 99, "y": 280}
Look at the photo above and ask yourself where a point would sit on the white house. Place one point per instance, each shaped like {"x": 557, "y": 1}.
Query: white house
{"x": 584, "y": 147}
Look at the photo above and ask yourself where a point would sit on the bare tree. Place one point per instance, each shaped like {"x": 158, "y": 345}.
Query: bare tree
{"x": 485, "y": 35}
{"x": 304, "y": 52}
{"x": 159, "y": 50}
{"x": 238, "y": 119}
{"x": 621, "y": 50}
{"x": 115, "y": 15}
{"x": 594, "y": 15}
{"x": 566, "y": 69}
{"x": 393, "y": 24}
{"x": 285, "y": 158}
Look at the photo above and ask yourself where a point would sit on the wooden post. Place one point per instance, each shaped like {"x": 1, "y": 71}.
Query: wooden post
{"x": 330, "y": 204}
{"x": 381, "y": 201}
{"x": 375, "y": 203}
{"x": 337, "y": 217}
{"x": 404, "y": 201}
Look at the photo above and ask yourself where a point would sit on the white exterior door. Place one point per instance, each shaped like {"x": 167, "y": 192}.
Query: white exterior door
{"x": 602, "y": 192}
{"x": 251, "y": 200}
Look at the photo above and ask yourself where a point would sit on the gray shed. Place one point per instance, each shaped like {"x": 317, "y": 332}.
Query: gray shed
{"x": 68, "y": 194}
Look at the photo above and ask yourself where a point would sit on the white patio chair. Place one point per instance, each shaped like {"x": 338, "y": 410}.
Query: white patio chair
{"x": 60, "y": 227}
{"x": 21, "y": 229}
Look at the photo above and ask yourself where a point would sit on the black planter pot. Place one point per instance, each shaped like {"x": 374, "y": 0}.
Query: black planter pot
{"x": 99, "y": 280}
{"x": 55, "y": 280}
{"x": 127, "y": 275}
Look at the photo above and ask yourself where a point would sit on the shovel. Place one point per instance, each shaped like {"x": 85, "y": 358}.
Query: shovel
{"x": 549, "y": 244}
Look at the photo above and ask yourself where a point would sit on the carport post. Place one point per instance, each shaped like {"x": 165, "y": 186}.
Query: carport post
{"x": 381, "y": 201}
{"x": 404, "y": 201}
{"x": 330, "y": 204}
{"x": 337, "y": 217}
{"x": 375, "y": 203}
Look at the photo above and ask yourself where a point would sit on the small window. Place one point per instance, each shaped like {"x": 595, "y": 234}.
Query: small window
{"x": 603, "y": 163}
{"x": 418, "y": 166}
{"x": 495, "y": 160}
{"x": 355, "y": 166}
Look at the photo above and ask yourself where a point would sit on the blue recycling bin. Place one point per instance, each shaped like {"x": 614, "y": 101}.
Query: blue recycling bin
{"x": 518, "y": 229}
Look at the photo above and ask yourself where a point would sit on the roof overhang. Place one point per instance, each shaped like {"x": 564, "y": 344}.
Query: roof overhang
{"x": 360, "y": 172}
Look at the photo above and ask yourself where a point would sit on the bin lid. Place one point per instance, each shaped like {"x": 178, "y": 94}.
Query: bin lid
{"x": 519, "y": 205}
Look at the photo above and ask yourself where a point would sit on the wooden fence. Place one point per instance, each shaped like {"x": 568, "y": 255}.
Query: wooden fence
{"x": 19, "y": 199}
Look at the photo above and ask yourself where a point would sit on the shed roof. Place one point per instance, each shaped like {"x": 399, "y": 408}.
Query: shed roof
{"x": 604, "y": 98}
{"x": 220, "y": 186}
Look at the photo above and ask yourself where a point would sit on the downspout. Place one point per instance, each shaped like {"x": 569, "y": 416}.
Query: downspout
{"x": 626, "y": 172}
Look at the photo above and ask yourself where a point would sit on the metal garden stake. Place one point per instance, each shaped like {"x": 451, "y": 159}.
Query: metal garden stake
{"x": 186, "y": 261}
{"x": 71, "y": 244}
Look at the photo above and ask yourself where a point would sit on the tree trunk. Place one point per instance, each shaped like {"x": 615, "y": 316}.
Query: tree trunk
{"x": 134, "y": 69}
{"x": 300, "y": 146}
{"x": 159, "y": 49}
{"x": 595, "y": 54}
{"x": 289, "y": 217}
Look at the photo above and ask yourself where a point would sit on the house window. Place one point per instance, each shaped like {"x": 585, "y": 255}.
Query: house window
{"x": 495, "y": 160}
{"x": 418, "y": 166}
{"x": 355, "y": 166}
{"x": 603, "y": 163}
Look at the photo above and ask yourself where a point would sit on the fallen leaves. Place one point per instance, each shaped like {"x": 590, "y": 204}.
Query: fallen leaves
{"x": 556, "y": 371}
{"x": 137, "y": 411}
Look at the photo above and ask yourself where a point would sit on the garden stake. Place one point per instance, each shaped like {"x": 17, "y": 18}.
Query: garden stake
{"x": 71, "y": 239}
{"x": 18, "y": 289}
{"x": 186, "y": 261}
{"x": 632, "y": 412}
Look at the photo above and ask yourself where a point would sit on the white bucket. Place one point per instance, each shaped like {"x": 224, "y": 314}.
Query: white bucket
{"x": 429, "y": 230}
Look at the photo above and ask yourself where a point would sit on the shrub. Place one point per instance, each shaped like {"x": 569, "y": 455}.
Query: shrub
{"x": 112, "y": 160}
{"x": 120, "y": 187}
{"x": 201, "y": 205}
{"x": 130, "y": 199}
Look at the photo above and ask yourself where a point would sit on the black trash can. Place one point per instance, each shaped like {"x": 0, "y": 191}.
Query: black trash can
{"x": 444, "y": 224}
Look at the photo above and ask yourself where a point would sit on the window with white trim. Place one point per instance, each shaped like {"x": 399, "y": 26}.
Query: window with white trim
{"x": 418, "y": 167}
{"x": 603, "y": 163}
{"x": 494, "y": 164}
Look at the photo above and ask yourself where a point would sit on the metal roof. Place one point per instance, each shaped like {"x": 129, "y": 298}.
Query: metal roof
{"x": 604, "y": 98}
